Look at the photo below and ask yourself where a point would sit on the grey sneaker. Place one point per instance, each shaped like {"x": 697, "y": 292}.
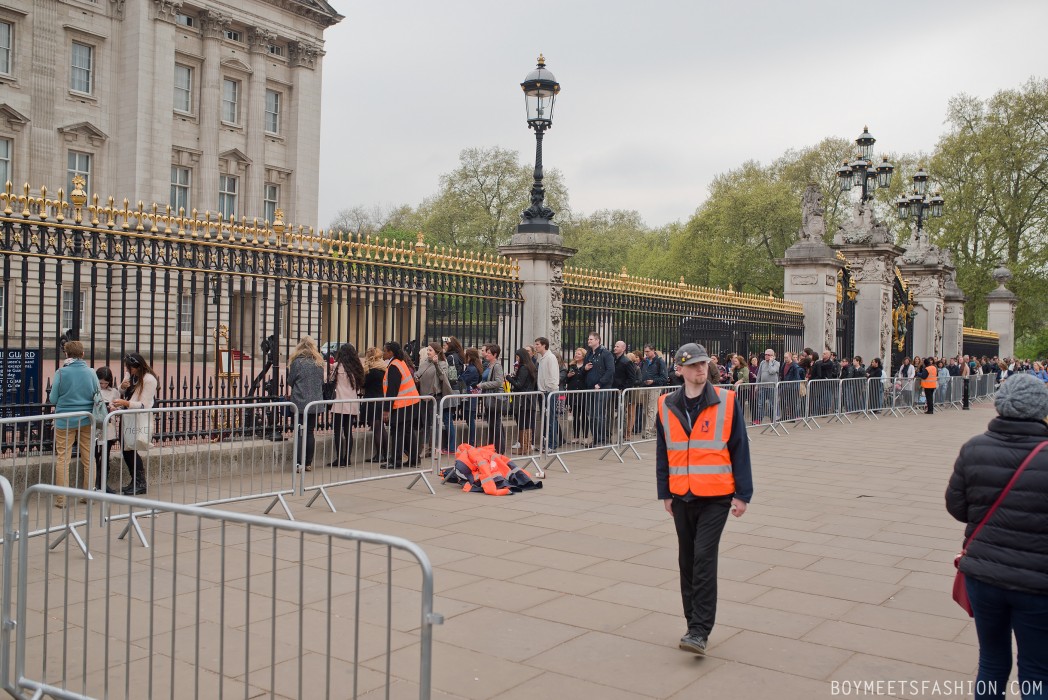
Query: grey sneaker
{"x": 693, "y": 643}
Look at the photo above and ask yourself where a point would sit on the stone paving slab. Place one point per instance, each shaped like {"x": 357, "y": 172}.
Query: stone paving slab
{"x": 841, "y": 569}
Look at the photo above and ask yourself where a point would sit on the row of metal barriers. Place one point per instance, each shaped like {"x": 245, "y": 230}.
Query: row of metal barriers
{"x": 214, "y": 455}
{"x": 219, "y": 604}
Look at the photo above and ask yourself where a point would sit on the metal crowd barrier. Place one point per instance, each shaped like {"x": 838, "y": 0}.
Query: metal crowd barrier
{"x": 588, "y": 422}
{"x": 854, "y": 398}
{"x": 7, "y": 550}
{"x": 638, "y": 410}
{"x": 32, "y": 458}
{"x": 516, "y": 423}
{"x": 365, "y": 440}
{"x": 225, "y": 604}
{"x": 823, "y": 401}
{"x": 760, "y": 407}
{"x": 235, "y": 452}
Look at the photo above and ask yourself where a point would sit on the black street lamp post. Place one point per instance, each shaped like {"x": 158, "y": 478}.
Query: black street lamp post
{"x": 861, "y": 171}
{"x": 540, "y": 92}
{"x": 918, "y": 204}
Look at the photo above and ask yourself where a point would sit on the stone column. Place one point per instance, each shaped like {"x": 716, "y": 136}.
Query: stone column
{"x": 1000, "y": 312}
{"x": 258, "y": 41}
{"x": 304, "y": 132}
{"x": 926, "y": 267}
{"x": 539, "y": 250}
{"x": 212, "y": 24}
{"x": 873, "y": 272}
{"x": 44, "y": 88}
{"x": 953, "y": 326}
{"x": 810, "y": 269}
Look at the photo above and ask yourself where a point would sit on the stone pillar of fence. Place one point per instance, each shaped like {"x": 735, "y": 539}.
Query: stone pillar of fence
{"x": 538, "y": 249}
{"x": 1000, "y": 312}
{"x": 810, "y": 268}
{"x": 926, "y": 267}
{"x": 953, "y": 325}
{"x": 873, "y": 272}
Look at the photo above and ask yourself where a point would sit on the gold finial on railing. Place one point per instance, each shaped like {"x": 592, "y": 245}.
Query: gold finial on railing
{"x": 24, "y": 201}
{"x": 78, "y": 197}
{"x": 420, "y": 244}
{"x": 278, "y": 223}
{"x": 140, "y": 215}
{"x": 623, "y": 275}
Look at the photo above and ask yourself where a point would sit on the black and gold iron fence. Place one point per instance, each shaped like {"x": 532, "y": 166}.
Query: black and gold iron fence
{"x": 216, "y": 305}
{"x": 640, "y": 310}
{"x": 978, "y": 342}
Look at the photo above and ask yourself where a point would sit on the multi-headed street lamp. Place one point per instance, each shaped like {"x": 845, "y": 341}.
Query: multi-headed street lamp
{"x": 918, "y": 204}
{"x": 540, "y": 92}
{"x": 861, "y": 171}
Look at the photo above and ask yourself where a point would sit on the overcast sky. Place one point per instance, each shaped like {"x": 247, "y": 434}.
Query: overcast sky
{"x": 657, "y": 97}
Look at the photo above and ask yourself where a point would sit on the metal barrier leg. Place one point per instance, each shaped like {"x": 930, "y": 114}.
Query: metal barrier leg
{"x": 279, "y": 498}
{"x": 321, "y": 491}
{"x": 557, "y": 458}
{"x": 70, "y": 531}
{"x": 422, "y": 477}
{"x": 132, "y": 522}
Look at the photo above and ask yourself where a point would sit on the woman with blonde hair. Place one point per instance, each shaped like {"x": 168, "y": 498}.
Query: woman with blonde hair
{"x": 305, "y": 379}
{"x": 371, "y": 415}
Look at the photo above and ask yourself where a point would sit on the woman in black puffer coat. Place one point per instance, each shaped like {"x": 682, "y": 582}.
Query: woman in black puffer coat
{"x": 1006, "y": 566}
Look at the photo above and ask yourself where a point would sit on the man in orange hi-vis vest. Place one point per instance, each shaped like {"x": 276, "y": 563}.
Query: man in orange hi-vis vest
{"x": 702, "y": 470}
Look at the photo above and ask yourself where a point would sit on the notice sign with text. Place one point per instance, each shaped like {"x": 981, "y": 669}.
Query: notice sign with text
{"x": 19, "y": 378}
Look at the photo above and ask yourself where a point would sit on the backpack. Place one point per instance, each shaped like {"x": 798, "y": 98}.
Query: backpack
{"x": 455, "y": 366}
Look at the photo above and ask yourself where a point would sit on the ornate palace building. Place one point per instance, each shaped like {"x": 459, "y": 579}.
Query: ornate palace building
{"x": 206, "y": 105}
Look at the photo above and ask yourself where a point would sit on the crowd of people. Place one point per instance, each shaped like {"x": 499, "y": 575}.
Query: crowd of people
{"x": 400, "y": 426}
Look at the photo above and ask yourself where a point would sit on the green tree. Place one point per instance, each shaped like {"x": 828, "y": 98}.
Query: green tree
{"x": 479, "y": 203}
{"x": 993, "y": 166}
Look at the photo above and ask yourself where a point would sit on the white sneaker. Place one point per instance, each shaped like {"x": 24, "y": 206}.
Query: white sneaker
{"x": 515, "y": 446}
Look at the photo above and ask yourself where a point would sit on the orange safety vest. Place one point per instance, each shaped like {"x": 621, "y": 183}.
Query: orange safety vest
{"x": 480, "y": 461}
{"x": 699, "y": 462}
{"x": 932, "y": 380}
{"x": 407, "y": 394}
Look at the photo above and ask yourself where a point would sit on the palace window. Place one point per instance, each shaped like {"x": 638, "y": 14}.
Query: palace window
{"x": 183, "y": 88}
{"x": 67, "y": 309}
{"x": 270, "y": 201}
{"x": 185, "y": 20}
{"x": 227, "y": 196}
{"x": 185, "y": 313}
{"x": 272, "y": 112}
{"x": 7, "y": 35}
{"x": 233, "y": 35}
{"x": 230, "y": 101}
{"x": 275, "y": 49}
{"x": 83, "y": 64}
{"x": 78, "y": 163}
{"x": 180, "y": 181}
{"x": 5, "y": 161}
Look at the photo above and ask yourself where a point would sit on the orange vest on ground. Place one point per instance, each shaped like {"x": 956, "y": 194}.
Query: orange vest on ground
{"x": 407, "y": 394}
{"x": 699, "y": 462}
{"x": 481, "y": 462}
{"x": 932, "y": 380}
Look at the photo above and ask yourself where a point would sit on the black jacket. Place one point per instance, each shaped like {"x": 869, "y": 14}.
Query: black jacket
{"x": 575, "y": 378}
{"x": 1011, "y": 551}
{"x": 823, "y": 369}
{"x": 738, "y": 445}
{"x": 625, "y": 373}
{"x": 603, "y": 370}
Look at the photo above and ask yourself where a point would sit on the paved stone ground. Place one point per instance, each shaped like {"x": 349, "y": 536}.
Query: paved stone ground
{"x": 840, "y": 570}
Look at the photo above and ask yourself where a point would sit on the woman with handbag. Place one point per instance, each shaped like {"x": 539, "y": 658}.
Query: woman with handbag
{"x": 73, "y": 390}
{"x": 305, "y": 379}
{"x": 524, "y": 379}
{"x": 432, "y": 379}
{"x": 999, "y": 488}
{"x": 348, "y": 378}
{"x": 136, "y": 432}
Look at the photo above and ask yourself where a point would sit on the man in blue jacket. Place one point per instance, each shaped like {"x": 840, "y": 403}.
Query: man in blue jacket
{"x": 600, "y": 374}
{"x": 653, "y": 374}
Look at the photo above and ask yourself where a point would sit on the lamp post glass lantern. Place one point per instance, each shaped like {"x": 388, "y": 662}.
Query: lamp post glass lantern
{"x": 918, "y": 204}
{"x": 540, "y": 93}
{"x": 861, "y": 172}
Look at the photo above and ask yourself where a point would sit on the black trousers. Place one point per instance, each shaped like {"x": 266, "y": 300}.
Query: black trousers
{"x": 342, "y": 430}
{"x": 403, "y": 434}
{"x": 929, "y": 399}
{"x": 699, "y": 526}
